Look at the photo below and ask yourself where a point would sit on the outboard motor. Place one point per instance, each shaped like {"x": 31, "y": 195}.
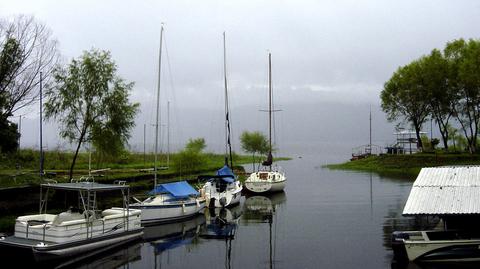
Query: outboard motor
{"x": 212, "y": 203}
{"x": 398, "y": 247}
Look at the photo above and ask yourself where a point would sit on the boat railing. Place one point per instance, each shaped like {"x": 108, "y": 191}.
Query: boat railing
{"x": 50, "y": 181}
{"x": 83, "y": 179}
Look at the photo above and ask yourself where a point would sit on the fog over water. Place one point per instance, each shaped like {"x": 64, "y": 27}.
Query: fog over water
{"x": 330, "y": 60}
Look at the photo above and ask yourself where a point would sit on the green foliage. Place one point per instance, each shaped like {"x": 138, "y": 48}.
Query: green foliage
{"x": 10, "y": 61}
{"x": 254, "y": 142}
{"x": 440, "y": 85}
{"x": 196, "y": 145}
{"x": 187, "y": 161}
{"x": 8, "y": 136}
{"x": 406, "y": 165}
{"x": 464, "y": 77}
{"x": 190, "y": 159}
{"x": 91, "y": 103}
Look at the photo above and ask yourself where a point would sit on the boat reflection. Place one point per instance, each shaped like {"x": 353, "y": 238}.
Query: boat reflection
{"x": 221, "y": 222}
{"x": 117, "y": 258}
{"x": 171, "y": 235}
{"x": 262, "y": 209}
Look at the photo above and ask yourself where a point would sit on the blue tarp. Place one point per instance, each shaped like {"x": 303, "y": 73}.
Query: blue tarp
{"x": 228, "y": 174}
{"x": 179, "y": 189}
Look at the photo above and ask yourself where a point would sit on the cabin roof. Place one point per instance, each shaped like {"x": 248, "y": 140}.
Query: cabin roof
{"x": 85, "y": 186}
{"x": 448, "y": 190}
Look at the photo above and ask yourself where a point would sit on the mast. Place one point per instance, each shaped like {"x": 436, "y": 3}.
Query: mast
{"x": 370, "y": 142}
{"x": 41, "y": 131}
{"x": 168, "y": 134}
{"x": 228, "y": 145}
{"x": 158, "y": 106}
{"x": 270, "y": 104}
{"x": 269, "y": 160}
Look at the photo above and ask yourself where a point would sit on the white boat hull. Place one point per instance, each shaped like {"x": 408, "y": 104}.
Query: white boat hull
{"x": 48, "y": 238}
{"x": 228, "y": 197}
{"x": 265, "y": 181}
{"x": 436, "y": 246}
{"x": 157, "y": 213}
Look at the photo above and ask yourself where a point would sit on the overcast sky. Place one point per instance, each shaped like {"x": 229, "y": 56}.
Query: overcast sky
{"x": 324, "y": 52}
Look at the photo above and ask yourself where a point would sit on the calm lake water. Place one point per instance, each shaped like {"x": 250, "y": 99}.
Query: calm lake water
{"x": 324, "y": 219}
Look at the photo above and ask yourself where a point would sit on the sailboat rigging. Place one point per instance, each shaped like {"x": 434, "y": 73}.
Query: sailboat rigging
{"x": 228, "y": 145}
{"x": 271, "y": 179}
{"x": 171, "y": 201}
{"x": 223, "y": 189}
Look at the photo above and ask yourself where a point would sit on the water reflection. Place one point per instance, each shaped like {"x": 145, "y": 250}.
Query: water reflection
{"x": 171, "y": 235}
{"x": 117, "y": 258}
{"x": 222, "y": 224}
{"x": 262, "y": 209}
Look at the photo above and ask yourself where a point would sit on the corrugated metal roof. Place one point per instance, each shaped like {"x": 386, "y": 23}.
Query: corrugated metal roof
{"x": 444, "y": 191}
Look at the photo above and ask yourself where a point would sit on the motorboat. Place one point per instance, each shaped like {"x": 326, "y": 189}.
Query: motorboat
{"x": 223, "y": 189}
{"x": 76, "y": 231}
{"x": 270, "y": 178}
{"x": 170, "y": 202}
{"x": 434, "y": 245}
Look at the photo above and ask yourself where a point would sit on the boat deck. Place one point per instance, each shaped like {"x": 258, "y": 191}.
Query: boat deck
{"x": 23, "y": 242}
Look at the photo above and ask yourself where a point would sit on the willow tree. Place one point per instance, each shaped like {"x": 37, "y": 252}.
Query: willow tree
{"x": 404, "y": 96}
{"x": 90, "y": 101}
{"x": 464, "y": 78}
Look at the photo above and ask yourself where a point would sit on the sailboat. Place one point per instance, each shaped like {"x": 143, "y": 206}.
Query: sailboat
{"x": 223, "y": 189}
{"x": 270, "y": 179}
{"x": 170, "y": 201}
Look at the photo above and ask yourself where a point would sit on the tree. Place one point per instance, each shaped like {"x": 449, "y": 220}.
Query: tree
{"x": 404, "y": 95}
{"x": 27, "y": 49}
{"x": 191, "y": 158}
{"x": 440, "y": 96}
{"x": 464, "y": 78}
{"x": 8, "y": 133}
{"x": 254, "y": 142}
{"x": 91, "y": 102}
{"x": 196, "y": 145}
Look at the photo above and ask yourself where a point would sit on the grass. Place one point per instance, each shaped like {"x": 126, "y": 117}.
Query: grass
{"x": 21, "y": 169}
{"x": 406, "y": 165}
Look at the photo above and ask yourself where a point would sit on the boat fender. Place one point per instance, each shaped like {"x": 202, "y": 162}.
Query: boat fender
{"x": 41, "y": 244}
{"x": 223, "y": 201}
{"x": 183, "y": 207}
{"x": 2, "y": 238}
{"x": 198, "y": 203}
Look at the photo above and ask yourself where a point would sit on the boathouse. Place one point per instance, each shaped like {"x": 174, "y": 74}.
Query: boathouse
{"x": 450, "y": 192}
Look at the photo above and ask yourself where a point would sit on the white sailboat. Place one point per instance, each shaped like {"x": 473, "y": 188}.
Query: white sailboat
{"x": 270, "y": 178}
{"x": 223, "y": 189}
{"x": 170, "y": 201}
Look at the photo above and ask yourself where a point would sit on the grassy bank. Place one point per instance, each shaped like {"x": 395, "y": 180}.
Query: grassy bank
{"x": 22, "y": 168}
{"x": 406, "y": 165}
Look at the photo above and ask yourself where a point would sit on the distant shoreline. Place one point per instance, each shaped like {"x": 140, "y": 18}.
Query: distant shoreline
{"x": 406, "y": 166}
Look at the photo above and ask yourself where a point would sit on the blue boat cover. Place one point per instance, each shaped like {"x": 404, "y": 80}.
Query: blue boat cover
{"x": 227, "y": 172}
{"x": 179, "y": 189}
